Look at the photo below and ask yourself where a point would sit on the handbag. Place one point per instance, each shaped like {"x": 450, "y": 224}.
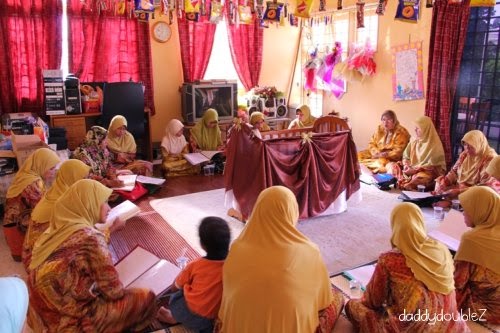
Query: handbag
{"x": 138, "y": 192}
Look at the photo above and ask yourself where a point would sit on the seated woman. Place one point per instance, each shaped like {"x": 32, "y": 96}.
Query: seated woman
{"x": 206, "y": 135}
{"x": 274, "y": 278}
{"x": 25, "y": 191}
{"x": 257, "y": 120}
{"x": 386, "y": 145}
{"x": 416, "y": 277}
{"x": 470, "y": 168}
{"x": 477, "y": 268}
{"x": 173, "y": 146}
{"x": 304, "y": 118}
{"x": 94, "y": 152}
{"x": 123, "y": 148}
{"x": 243, "y": 113}
{"x": 423, "y": 158}
{"x": 70, "y": 171}
{"x": 73, "y": 284}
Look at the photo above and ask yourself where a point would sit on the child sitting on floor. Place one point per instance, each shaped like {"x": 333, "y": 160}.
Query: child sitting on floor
{"x": 198, "y": 287}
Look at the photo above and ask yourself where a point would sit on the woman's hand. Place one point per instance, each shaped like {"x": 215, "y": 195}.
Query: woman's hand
{"x": 123, "y": 158}
{"x": 117, "y": 224}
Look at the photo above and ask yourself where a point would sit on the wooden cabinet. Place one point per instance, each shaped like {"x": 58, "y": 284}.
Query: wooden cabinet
{"x": 76, "y": 126}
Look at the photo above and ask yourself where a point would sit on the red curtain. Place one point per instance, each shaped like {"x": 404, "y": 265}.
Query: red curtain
{"x": 448, "y": 32}
{"x": 196, "y": 39}
{"x": 110, "y": 48}
{"x": 30, "y": 36}
{"x": 245, "y": 42}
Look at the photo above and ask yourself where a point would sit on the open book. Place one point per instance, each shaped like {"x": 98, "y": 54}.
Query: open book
{"x": 363, "y": 274}
{"x": 450, "y": 230}
{"x": 142, "y": 269}
{"x": 124, "y": 211}
{"x": 203, "y": 156}
{"x": 128, "y": 182}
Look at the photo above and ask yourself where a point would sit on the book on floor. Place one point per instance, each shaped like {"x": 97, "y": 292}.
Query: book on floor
{"x": 362, "y": 274}
{"x": 150, "y": 180}
{"x": 203, "y": 156}
{"x": 450, "y": 231}
{"x": 125, "y": 210}
{"x": 128, "y": 182}
{"x": 142, "y": 269}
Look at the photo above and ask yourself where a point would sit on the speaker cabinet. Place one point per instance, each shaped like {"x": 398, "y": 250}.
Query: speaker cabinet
{"x": 254, "y": 105}
{"x": 281, "y": 109}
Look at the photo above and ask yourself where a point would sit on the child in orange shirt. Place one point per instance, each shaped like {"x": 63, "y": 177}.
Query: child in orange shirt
{"x": 198, "y": 287}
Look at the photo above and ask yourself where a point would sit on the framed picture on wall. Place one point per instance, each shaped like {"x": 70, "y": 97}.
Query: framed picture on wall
{"x": 407, "y": 72}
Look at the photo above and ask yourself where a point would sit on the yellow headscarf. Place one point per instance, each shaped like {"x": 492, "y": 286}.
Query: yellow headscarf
{"x": 69, "y": 172}
{"x": 429, "y": 260}
{"x": 255, "y": 117}
{"x": 274, "y": 278}
{"x": 120, "y": 144}
{"x": 307, "y": 119}
{"x": 427, "y": 150}
{"x": 493, "y": 168}
{"x": 42, "y": 160}
{"x": 469, "y": 168}
{"x": 207, "y": 138}
{"x": 481, "y": 245}
{"x": 78, "y": 208}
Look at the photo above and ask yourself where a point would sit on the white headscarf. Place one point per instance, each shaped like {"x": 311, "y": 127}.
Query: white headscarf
{"x": 13, "y": 304}
{"x": 172, "y": 143}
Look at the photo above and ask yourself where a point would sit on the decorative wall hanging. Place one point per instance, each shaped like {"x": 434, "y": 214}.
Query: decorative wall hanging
{"x": 303, "y": 8}
{"x": 328, "y": 81}
{"x": 407, "y": 72}
{"x": 358, "y": 65}
{"x": 360, "y": 14}
{"x": 408, "y": 10}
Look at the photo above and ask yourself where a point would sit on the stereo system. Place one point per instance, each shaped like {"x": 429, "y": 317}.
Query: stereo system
{"x": 270, "y": 107}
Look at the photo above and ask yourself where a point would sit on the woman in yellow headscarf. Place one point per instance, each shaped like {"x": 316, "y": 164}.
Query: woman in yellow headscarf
{"x": 258, "y": 121}
{"x": 206, "y": 135}
{"x": 470, "y": 168}
{"x": 25, "y": 191}
{"x": 477, "y": 263}
{"x": 121, "y": 144}
{"x": 416, "y": 277}
{"x": 73, "y": 255}
{"x": 274, "y": 278}
{"x": 423, "y": 158}
{"x": 304, "y": 118}
{"x": 70, "y": 171}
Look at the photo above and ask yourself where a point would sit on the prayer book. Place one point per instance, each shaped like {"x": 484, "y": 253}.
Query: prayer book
{"x": 124, "y": 211}
{"x": 362, "y": 274}
{"x": 128, "y": 182}
{"x": 450, "y": 231}
{"x": 150, "y": 180}
{"x": 203, "y": 156}
{"x": 142, "y": 269}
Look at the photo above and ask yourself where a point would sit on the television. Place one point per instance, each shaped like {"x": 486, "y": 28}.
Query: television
{"x": 198, "y": 97}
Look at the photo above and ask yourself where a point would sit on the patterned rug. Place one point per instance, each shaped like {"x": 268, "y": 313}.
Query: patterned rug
{"x": 346, "y": 240}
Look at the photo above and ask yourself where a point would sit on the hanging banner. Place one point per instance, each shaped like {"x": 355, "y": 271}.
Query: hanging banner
{"x": 407, "y": 72}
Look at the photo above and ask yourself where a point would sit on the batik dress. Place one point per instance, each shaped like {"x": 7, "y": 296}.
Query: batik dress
{"x": 77, "y": 289}
{"x": 393, "y": 297}
{"x": 391, "y": 142}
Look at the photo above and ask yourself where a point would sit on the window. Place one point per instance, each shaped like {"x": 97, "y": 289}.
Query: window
{"x": 321, "y": 33}
{"x": 477, "y": 98}
{"x": 220, "y": 65}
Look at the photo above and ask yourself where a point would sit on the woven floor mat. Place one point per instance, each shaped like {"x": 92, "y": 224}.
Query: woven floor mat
{"x": 149, "y": 230}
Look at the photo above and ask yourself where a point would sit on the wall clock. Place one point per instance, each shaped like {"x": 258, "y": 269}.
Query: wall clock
{"x": 161, "y": 32}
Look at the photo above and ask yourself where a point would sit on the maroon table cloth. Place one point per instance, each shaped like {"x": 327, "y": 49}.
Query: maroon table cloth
{"x": 316, "y": 168}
